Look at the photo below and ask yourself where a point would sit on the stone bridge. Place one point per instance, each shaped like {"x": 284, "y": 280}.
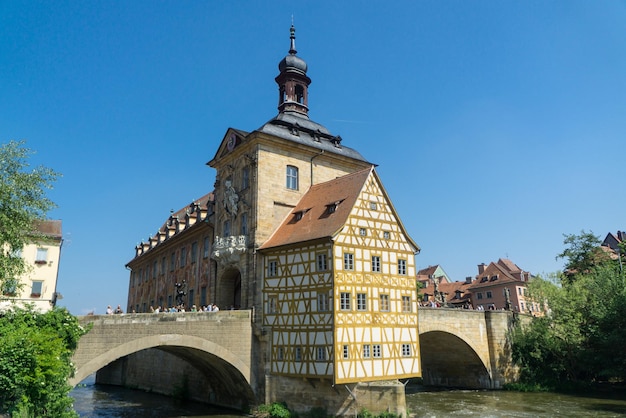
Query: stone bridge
{"x": 459, "y": 348}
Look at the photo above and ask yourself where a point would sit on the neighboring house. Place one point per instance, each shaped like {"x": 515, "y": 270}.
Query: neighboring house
{"x": 494, "y": 281}
{"x": 456, "y": 294}
{"x": 179, "y": 252}
{"x": 42, "y": 256}
{"x": 426, "y": 276}
{"x": 305, "y": 236}
{"x": 613, "y": 241}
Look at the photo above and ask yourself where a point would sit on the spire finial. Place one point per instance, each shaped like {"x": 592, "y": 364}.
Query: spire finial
{"x": 292, "y": 37}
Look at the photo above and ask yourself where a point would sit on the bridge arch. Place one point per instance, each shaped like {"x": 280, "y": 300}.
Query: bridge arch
{"x": 451, "y": 361}
{"x": 226, "y": 373}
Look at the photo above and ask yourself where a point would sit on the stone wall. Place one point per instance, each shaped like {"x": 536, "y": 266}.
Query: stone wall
{"x": 302, "y": 395}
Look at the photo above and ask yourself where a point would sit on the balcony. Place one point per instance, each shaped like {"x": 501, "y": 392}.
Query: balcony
{"x": 228, "y": 250}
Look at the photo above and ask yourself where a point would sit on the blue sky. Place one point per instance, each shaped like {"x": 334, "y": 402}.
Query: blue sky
{"x": 497, "y": 126}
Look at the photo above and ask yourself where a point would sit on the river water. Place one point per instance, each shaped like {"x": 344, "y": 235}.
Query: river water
{"x": 102, "y": 401}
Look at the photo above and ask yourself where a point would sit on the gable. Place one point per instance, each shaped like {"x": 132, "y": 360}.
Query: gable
{"x": 231, "y": 140}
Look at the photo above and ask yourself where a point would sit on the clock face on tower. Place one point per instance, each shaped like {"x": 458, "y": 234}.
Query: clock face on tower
{"x": 231, "y": 142}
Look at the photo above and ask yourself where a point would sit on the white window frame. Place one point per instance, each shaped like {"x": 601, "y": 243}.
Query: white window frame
{"x": 322, "y": 262}
{"x": 361, "y": 301}
{"x": 376, "y": 263}
{"x": 402, "y": 267}
{"x": 366, "y": 351}
{"x": 292, "y": 177}
{"x": 376, "y": 351}
{"x": 345, "y": 301}
{"x": 384, "y": 302}
{"x": 348, "y": 261}
{"x": 406, "y": 350}
{"x": 272, "y": 268}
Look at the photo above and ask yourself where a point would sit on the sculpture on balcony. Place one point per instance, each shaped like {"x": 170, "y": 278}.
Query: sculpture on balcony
{"x": 230, "y": 198}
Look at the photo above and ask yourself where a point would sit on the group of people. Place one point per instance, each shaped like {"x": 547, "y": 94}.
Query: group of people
{"x": 117, "y": 310}
{"x": 181, "y": 308}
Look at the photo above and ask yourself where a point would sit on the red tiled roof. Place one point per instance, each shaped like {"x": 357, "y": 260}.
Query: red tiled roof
{"x": 316, "y": 220}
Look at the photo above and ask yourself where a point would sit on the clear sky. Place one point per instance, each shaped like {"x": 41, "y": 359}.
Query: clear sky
{"x": 497, "y": 126}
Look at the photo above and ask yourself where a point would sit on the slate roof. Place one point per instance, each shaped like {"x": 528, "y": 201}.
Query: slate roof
{"x": 301, "y": 130}
{"x": 49, "y": 228}
{"x": 316, "y": 221}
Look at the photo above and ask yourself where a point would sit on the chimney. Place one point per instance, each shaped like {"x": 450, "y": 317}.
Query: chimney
{"x": 481, "y": 268}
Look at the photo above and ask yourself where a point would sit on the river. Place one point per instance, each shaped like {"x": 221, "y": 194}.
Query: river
{"x": 98, "y": 401}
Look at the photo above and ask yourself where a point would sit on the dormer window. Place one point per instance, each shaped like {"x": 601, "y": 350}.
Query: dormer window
{"x": 484, "y": 279}
{"x": 332, "y": 207}
{"x": 494, "y": 278}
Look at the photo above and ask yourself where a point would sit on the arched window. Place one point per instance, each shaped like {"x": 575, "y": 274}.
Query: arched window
{"x": 299, "y": 94}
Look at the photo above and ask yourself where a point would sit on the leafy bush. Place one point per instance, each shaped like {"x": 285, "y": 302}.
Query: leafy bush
{"x": 35, "y": 362}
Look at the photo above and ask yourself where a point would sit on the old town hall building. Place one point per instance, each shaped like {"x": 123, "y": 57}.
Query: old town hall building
{"x": 299, "y": 229}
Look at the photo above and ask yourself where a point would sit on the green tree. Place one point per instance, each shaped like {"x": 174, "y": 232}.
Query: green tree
{"x": 582, "y": 253}
{"x": 35, "y": 362}
{"x": 580, "y": 339}
{"x": 22, "y": 202}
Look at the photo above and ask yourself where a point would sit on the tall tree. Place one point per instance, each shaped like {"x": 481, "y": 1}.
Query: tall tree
{"x": 22, "y": 202}
{"x": 580, "y": 339}
{"x": 583, "y": 252}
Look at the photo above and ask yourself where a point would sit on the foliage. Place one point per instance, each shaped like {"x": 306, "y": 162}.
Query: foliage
{"x": 22, "y": 202}
{"x": 365, "y": 413}
{"x": 35, "y": 362}
{"x": 580, "y": 339}
{"x": 583, "y": 252}
{"x": 273, "y": 410}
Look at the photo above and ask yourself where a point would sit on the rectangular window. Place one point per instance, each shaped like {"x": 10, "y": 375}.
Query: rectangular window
{"x": 384, "y": 303}
{"x": 194, "y": 251}
{"x": 36, "y": 289}
{"x": 9, "y": 287}
{"x": 292, "y": 177}
{"x": 155, "y": 267}
{"x": 323, "y": 304}
{"x": 191, "y": 300}
{"x": 406, "y": 303}
{"x": 373, "y": 206}
{"x": 172, "y": 261}
{"x": 376, "y": 353}
{"x": 346, "y": 352}
{"x": 226, "y": 228}
{"x": 244, "y": 224}
{"x": 362, "y": 232}
{"x": 245, "y": 178}
{"x": 203, "y": 296}
{"x": 348, "y": 261}
{"x": 361, "y": 302}
{"x": 205, "y": 253}
{"x": 163, "y": 265}
{"x": 322, "y": 262}
{"x": 183, "y": 256}
{"x": 272, "y": 304}
{"x": 489, "y": 295}
{"x": 281, "y": 354}
{"x": 386, "y": 235}
{"x": 402, "y": 267}
{"x": 42, "y": 256}
{"x": 272, "y": 268}
{"x": 320, "y": 354}
{"x": 344, "y": 301}
{"x": 366, "y": 351}
{"x": 376, "y": 264}
{"x": 298, "y": 354}
{"x": 406, "y": 350}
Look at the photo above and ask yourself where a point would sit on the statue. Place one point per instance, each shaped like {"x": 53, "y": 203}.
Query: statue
{"x": 507, "y": 299}
{"x": 230, "y": 198}
{"x": 180, "y": 292}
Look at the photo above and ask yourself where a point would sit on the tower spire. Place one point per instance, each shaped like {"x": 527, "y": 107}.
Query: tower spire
{"x": 292, "y": 81}
{"x": 292, "y": 37}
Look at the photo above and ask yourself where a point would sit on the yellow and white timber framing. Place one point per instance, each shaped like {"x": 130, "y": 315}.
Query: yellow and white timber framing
{"x": 349, "y": 321}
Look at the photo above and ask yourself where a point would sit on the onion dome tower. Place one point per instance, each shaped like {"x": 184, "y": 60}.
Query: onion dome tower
{"x": 293, "y": 82}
